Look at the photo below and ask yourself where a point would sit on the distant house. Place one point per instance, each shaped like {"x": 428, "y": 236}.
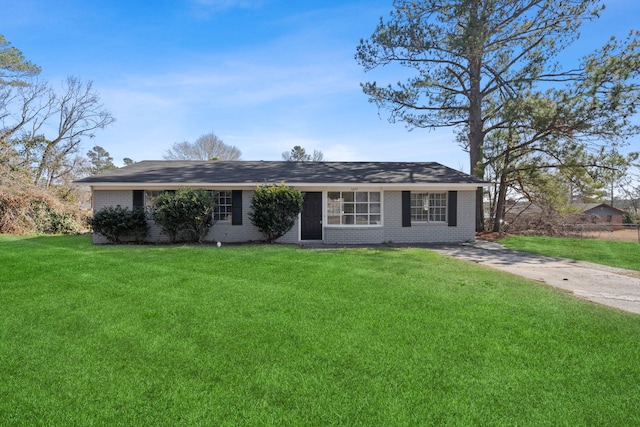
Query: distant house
{"x": 526, "y": 215}
{"x": 344, "y": 202}
{"x": 600, "y": 213}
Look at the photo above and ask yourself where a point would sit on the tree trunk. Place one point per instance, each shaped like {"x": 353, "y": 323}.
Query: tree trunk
{"x": 612, "y": 186}
{"x": 500, "y": 203}
{"x": 476, "y": 139}
{"x": 44, "y": 160}
{"x": 502, "y": 190}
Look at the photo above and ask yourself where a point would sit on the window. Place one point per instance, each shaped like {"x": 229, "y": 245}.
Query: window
{"x": 354, "y": 208}
{"x": 148, "y": 201}
{"x": 428, "y": 207}
{"x": 222, "y": 211}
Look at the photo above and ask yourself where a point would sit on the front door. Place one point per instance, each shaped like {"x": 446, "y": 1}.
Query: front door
{"x": 311, "y": 217}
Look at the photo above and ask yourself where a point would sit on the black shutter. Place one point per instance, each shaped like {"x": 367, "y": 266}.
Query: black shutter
{"x": 406, "y": 208}
{"x": 138, "y": 199}
{"x": 236, "y": 207}
{"x": 453, "y": 209}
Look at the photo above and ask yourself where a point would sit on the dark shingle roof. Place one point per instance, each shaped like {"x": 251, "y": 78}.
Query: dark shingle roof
{"x": 240, "y": 172}
{"x": 586, "y": 207}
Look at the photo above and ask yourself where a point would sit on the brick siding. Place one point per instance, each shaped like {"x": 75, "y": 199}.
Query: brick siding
{"x": 390, "y": 232}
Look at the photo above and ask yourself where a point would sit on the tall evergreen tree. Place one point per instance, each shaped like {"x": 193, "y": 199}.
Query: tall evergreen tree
{"x": 100, "y": 160}
{"x": 14, "y": 68}
{"x": 471, "y": 59}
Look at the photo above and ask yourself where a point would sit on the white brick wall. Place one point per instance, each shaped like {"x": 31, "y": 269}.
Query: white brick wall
{"x": 391, "y": 232}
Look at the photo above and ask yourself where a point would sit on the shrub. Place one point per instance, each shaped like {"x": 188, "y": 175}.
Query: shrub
{"x": 50, "y": 216}
{"x": 119, "y": 224}
{"x": 33, "y": 210}
{"x": 27, "y": 208}
{"x": 186, "y": 213}
{"x": 14, "y": 214}
{"x": 274, "y": 209}
{"x": 62, "y": 222}
{"x": 631, "y": 218}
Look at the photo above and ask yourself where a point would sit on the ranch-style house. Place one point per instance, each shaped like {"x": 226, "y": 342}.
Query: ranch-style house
{"x": 344, "y": 202}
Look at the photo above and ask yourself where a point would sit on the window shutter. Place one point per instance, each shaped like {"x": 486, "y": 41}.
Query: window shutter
{"x": 453, "y": 209}
{"x": 138, "y": 199}
{"x": 236, "y": 207}
{"x": 406, "y": 208}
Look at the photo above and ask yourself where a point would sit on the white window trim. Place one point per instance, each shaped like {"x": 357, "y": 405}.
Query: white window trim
{"x": 427, "y": 222}
{"x": 326, "y": 209}
{"x": 230, "y": 212}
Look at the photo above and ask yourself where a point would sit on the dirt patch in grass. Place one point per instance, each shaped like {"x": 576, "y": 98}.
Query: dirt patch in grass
{"x": 628, "y": 235}
{"x": 490, "y": 235}
{"x": 620, "y": 235}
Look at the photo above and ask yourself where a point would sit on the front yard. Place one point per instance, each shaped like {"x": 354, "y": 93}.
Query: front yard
{"x": 622, "y": 254}
{"x": 275, "y": 335}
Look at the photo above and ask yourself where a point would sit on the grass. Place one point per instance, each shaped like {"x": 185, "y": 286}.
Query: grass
{"x": 275, "y": 335}
{"x": 606, "y": 252}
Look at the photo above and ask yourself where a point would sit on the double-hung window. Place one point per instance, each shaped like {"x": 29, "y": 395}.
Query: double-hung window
{"x": 354, "y": 208}
{"x": 428, "y": 207}
{"x": 222, "y": 211}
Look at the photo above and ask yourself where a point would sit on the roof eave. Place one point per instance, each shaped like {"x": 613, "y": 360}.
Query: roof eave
{"x": 306, "y": 185}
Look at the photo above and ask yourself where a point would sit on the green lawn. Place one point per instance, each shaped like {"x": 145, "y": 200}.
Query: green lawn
{"x": 276, "y": 335}
{"x": 606, "y": 252}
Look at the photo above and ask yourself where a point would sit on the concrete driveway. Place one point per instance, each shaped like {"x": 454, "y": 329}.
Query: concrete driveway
{"x": 613, "y": 287}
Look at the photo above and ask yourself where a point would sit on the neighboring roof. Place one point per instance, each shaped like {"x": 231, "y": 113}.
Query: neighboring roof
{"x": 583, "y": 208}
{"x": 586, "y": 207}
{"x": 243, "y": 172}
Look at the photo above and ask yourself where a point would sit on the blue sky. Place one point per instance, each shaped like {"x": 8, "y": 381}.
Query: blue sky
{"x": 263, "y": 75}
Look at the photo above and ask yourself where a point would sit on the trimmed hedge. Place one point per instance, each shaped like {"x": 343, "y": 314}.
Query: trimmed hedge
{"x": 186, "y": 214}
{"x": 275, "y": 209}
{"x": 121, "y": 224}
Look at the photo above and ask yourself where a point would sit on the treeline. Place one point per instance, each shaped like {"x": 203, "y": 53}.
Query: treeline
{"x": 41, "y": 130}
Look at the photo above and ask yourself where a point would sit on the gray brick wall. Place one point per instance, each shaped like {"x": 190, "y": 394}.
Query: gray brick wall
{"x": 429, "y": 233}
{"x": 104, "y": 199}
{"x": 334, "y": 235}
{"x": 391, "y": 232}
{"x": 222, "y": 231}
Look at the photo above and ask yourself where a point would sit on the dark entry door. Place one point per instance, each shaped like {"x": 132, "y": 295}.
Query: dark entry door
{"x": 311, "y": 217}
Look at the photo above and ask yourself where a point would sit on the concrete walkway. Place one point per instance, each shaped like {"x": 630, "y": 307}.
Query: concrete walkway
{"x": 613, "y": 287}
